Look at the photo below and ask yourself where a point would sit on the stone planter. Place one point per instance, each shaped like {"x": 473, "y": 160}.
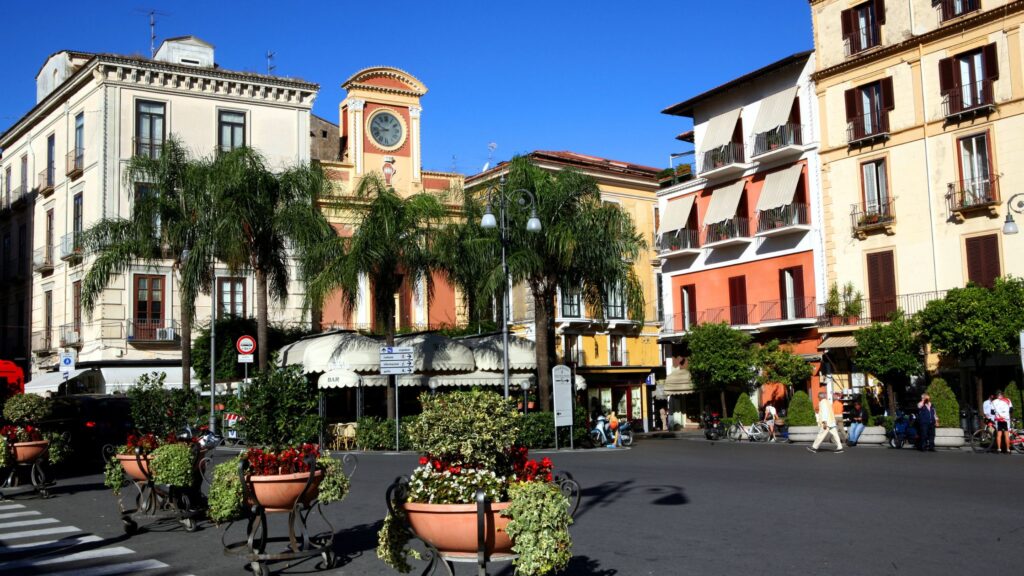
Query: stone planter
{"x": 803, "y": 433}
{"x": 24, "y": 452}
{"x": 451, "y": 528}
{"x": 280, "y": 492}
{"x": 949, "y": 437}
{"x": 873, "y": 435}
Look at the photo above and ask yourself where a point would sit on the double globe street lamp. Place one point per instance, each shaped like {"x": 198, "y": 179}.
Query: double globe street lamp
{"x": 497, "y": 195}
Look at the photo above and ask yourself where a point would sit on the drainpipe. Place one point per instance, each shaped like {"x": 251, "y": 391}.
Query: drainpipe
{"x": 928, "y": 172}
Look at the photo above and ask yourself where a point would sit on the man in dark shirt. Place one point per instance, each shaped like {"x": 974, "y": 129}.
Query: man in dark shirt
{"x": 858, "y": 420}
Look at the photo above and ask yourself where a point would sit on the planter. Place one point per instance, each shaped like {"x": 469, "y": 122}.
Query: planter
{"x": 949, "y": 437}
{"x": 451, "y": 528}
{"x": 803, "y": 433}
{"x": 873, "y": 435}
{"x": 852, "y": 320}
{"x": 131, "y": 466}
{"x": 28, "y": 451}
{"x": 280, "y": 492}
{"x": 835, "y": 320}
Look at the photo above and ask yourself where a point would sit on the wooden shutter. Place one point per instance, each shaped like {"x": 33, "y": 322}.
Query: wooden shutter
{"x": 738, "y": 300}
{"x": 799, "y": 306}
{"x": 888, "y": 102}
{"x": 852, "y": 116}
{"x": 947, "y": 79}
{"x": 991, "y": 62}
{"x": 881, "y": 285}
{"x": 691, "y": 305}
{"x": 983, "y": 265}
{"x": 847, "y": 19}
{"x": 879, "y": 13}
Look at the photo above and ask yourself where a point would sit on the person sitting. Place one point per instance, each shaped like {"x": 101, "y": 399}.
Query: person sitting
{"x": 858, "y": 420}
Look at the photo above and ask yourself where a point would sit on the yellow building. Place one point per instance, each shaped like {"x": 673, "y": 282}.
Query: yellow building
{"x": 922, "y": 127}
{"x": 614, "y": 356}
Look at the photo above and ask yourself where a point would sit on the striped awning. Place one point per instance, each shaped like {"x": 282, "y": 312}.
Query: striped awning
{"x": 677, "y": 213}
{"x": 832, "y": 342}
{"x": 719, "y": 131}
{"x": 779, "y": 188}
{"x": 774, "y": 111}
{"x": 678, "y": 382}
{"x": 724, "y": 202}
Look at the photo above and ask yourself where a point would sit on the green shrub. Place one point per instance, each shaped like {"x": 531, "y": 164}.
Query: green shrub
{"x": 745, "y": 411}
{"x": 885, "y": 421}
{"x": 947, "y": 409}
{"x": 539, "y": 528}
{"x": 26, "y": 409}
{"x": 225, "y": 499}
{"x": 867, "y": 405}
{"x": 1013, "y": 393}
{"x": 279, "y": 409}
{"x": 335, "y": 485}
{"x": 801, "y": 411}
{"x": 113, "y": 475}
{"x": 172, "y": 464}
{"x": 158, "y": 410}
{"x": 373, "y": 433}
{"x": 537, "y": 430}
{"x": 472, "y": 428}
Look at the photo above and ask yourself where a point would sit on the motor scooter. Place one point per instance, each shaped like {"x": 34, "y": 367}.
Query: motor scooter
{"x": 713, "y": 427}
{"x": 603, "y": 435}
{"x": 904, "y": 430}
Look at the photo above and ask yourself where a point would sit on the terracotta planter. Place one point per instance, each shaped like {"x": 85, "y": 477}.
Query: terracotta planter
{"x": 852, "y": 320}
{"x": 451, "y": 528}
{"x": 28, "y": 451}
{"x": 835, "y": 320}
{"x": 132, "y": 468}
{"x": 278, "y": 493}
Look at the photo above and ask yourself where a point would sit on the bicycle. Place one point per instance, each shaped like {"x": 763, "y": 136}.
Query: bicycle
{"x": 983, "y": 440}
{"x": 756, "y": 432}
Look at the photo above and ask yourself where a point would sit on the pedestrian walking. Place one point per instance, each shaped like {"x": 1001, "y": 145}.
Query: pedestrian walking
{"x": 838, "y": 409}
{"x": 1001, "y": 407}
{"x": 858, "y": 420}
{"x": 827, "y": 422}
{"x": 770, "y": 415}
{"x": 927, "y": 420}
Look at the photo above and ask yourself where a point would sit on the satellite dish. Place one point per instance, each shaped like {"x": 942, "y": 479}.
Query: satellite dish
{"x": 486, "y": 166}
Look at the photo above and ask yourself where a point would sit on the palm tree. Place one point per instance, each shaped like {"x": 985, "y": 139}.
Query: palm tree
{"x": 585, "y": 244}
{"x": 465, "y": 253}
{"x": 263, "y": 220}
{"x": 170, "y": 220}
{"x": 391, "y": 245}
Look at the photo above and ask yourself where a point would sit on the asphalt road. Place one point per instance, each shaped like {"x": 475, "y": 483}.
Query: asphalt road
{"x": 665, "y": 507}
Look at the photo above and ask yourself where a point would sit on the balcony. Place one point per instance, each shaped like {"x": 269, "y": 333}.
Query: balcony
{"x": 880, "y": 309}
{"x": 153, "y": 331}
{"x": 789, "y": 311}
{"x": 71, "y": 335}
{"x": 783, "y": 220}
{"x": 75, "y": 162}
{"x": 968, "y": 101}
{"x": 682, "y": 242}
{"x": 722, "y": 162}
{"x": 868, "y": 128}
{"x": 42, "y": 259}
{"x": 860, "y": 39}
{"x": 880, "y": 217}
{"x": 956, "y": 8}
{"x": 17, "y": 195}
{"x": 732, "y": 232}
{"x": 974, "y": 195}
{"x": 785, "y": 141}
{"x": 148, "y": 147}
{"x": 676, "y": 324}
{"x": 71, "y": 248}
{"x": 42, "y": 342}
{"x": 737, "y": 315}
{"x": 46, "y": 182}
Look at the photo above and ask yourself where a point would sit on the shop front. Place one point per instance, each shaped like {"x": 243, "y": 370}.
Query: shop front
{"x": 628, "y": 394}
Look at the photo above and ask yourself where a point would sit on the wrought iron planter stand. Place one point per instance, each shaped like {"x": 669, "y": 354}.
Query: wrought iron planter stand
{"x": 398, "y": 493}
{"x": 38, "y": 481}
{"x": 301, "y": 543}
{"x": 157, "y": 502}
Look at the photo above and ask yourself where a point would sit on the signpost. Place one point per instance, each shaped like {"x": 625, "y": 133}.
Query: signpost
{"x": 561, "y": 384}
{"x": 246, "y": 346}
{"x": 67, "y": 366}
{"x": 396, "y": 360}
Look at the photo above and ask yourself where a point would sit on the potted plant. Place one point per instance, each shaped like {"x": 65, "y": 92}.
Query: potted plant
{"x": 23, "y": 441}
{"x": 467, "y": 440}
{"x": 948, "y": 434}
{"x": 800, "y": 420}
{"x": 833, "y": 305}
{"x": 853, "y": 304}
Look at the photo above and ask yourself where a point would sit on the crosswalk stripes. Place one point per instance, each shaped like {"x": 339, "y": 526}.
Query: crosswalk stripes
{"x": 31, "y": 544}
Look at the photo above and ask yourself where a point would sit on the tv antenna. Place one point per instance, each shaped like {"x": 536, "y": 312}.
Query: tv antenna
{"x": 152, "y": 13}
{"x": 455, "y": 164}
{"x": 491, "y": 147}
{"x": 270, "y": 63}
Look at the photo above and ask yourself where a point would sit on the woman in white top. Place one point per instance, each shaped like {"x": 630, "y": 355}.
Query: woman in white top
{"x": 1001, "y": 410}
{"x": 770, "y": 415}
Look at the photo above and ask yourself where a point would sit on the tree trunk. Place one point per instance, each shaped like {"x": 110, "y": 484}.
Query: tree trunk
{"x": 262, "y": 342}
{"x": 186, "y": 350}
{"x": 891, "y": 393}
{"x": 543, "y": 339}
{"x": 725, "y": 408}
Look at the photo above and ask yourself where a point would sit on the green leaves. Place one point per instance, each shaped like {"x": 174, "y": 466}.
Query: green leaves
{"x": 720, "y": 357}
{"x": 225, "y": 499}
{"x": 280, "y": 409}
{"x": 801, "y": 410}
{"x": 889, "y": 351}
{"x": 28, "y": 408}
{"x": 947, "y": 409}
{"x": 335, "y": 484}
{"x": 539, "y": 528}
{"x": 779, "y": 364}
{"x": 160, "y": 411}
{"x": 472, "y": 428}
{"x": 745, "y": 411}
{"x": 172, "y": 464}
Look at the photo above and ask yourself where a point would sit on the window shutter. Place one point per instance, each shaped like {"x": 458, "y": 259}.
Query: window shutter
{"x": 983, "y": 265}
{"x": 782, "y": 288}
{"x": 888, "y": 102}
{"x": 798, "y": 292}
{"x": 847, "y": 19}
{"x": 991, "y": 60}
{"x": 946, "y": 82}
{"x": 851, "y": 104}
{"x": 881, "y": 285}
{"x": 692, "y": 291}
{"x": 880, "y": 12}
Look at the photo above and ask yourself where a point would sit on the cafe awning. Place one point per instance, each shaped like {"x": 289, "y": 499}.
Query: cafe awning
{"x": 775, "y": 110}
{"x": 332, "y": 351}
{"x": 124, "y": 377}
{"x": 720, "y": 130}
{"x": 678, "y": 382}
{"x": 677, "y": 214}
{"x": 779, "y": 188}
{"x": 488, "y": 352}
{"x": 49, "y": 382}
{"x": 338, "y": 379}
{"x": 433, "y": 352}
{"x": 483, "y": 378}
{"x": 833, "y": 342}
{"x": 724, "y": 202}
{"x": 419, "y": 380}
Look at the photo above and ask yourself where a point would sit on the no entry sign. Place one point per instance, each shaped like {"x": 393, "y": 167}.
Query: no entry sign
{"x": 245, "y": 345}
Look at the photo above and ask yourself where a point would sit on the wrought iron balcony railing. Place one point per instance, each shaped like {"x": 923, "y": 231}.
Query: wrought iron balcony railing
{"x": 42, "y": 259}
{"x": 148, "y": 147}
{"x": 973, "y": 193}
{"x": 71, "y": 335}
{"x": 782, "y": 217}
{"x": 861, "y": 38}
{"x": 974, "y": 97}
{"x": 869, "y": 126}
{"x": 730, "y": 154}
{"x": 682, "y": 239}
{"x": 873, "y": 216}
{"x": 785, "y": 135}
{"x": 879, "y": 308}
{"x": 71, "y": 247}
{"x": 75, "y": 162}
{"x": 46, "y": 182}
{"x": 788, "y": 309}
{"x": 735, "y": 227}
{"x": 162, "y": 330}
{"x": 42, "y": 341}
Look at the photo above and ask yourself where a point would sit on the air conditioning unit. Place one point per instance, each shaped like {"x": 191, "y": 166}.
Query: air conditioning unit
{"x": 165, "y": 334}
{"x": 70, "y": 338}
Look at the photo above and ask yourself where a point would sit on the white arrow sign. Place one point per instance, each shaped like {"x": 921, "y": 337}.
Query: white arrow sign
{"x": 399, "y": 370}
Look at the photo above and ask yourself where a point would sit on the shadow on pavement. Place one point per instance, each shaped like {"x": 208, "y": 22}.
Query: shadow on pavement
{"x": 578, "y": 566}
{"x": 350, "y": 543}
{"x": 607, "y": 493}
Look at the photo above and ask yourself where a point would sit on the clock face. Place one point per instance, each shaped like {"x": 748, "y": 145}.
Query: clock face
{"x": 386, "y": 130}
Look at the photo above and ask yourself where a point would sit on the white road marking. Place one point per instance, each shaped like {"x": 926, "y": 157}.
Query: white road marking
{"x": 21, "y": 513}
{"x": 109, "y": 569}
{"x": 11, "y": 506}
{"x": 86, "y": 555}
{"x": 20, "y": 523}
{"x": 40, "y": 532}
{"x": 51, "y": 544}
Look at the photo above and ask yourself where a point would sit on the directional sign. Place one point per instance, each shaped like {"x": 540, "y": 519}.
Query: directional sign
{"x": 245, "y": 358}
{"x": 245, "y": 345}
{"x": 403, "y": 370}
{"x": 396, "y": 363}
{"x": 397, "y": 357}
{"x": 396, "y": 350}
{"x": 396, "y": 360}
{"x": 67, "y": 362}
{"x": 561, "y": 382}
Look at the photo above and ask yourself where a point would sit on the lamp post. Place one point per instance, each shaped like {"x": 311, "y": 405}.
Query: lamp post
{"x": 525, "y": 385}
{"x": 1014, "y": 204}
{"x": 497, "y": 194}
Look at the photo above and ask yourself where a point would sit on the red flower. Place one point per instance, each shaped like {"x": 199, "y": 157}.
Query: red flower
{"x": 456, "y": 470}
{"x": 424, "y": 460}
{"x": 437, "y": 465}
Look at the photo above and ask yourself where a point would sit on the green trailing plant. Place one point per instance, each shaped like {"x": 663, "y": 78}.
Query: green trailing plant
{"x": 539, "y": 528}
{"x": 745, "y": 411}
{"x": 224, "y": 502}
{"x": 947, "y": 409}
{"x": 24, "y": 409}
{"x": 335, "y": 484}
{"x": 280, "y": 409}
{"x": 113, "y": 476}
{"x": 58, "y": 449}
{"x": 372, "y": 433}
{"x": 172, "y": 464}
{"x": 393, "y": 542}
{"x": 453, "y": 428}
{"x": 160, "y": 411}
{"x": 801, "y": 410}
{"x": 834, "y": 301}
{"x": 5, "y": 458}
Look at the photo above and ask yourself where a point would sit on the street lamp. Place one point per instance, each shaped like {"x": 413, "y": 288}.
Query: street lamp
{"x": 525, "y": 385}
{"x": 213, "y": 344}
{"x": 1009, "y": 226}
{"x": 497, "y": 194}
{"x": 433, "y": 386}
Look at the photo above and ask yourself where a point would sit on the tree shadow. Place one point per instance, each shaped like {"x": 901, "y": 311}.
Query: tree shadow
{"x": 578, "y": 566}
{"x": 350, "y": 543}
{"x": 607, "y": 493}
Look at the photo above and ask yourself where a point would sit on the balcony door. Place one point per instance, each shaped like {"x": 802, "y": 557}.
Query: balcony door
{"x": 791, "y": 290}
{"x": 738, "y": 300}
{"x": 876, "y": 189}
{"x": 975, "y": 170}
{"x": 881, "y": 285}
{"x": 149, "y": 306}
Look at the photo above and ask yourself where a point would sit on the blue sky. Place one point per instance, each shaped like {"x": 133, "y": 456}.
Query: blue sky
{"x": 590, "y": 76}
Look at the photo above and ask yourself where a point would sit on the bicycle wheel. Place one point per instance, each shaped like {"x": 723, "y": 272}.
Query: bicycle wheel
{"x": 1017, "y": 441}
{"x": 759, "y": 432}
{"x": 981, "y": 440}
{"x": 734, "y": 433}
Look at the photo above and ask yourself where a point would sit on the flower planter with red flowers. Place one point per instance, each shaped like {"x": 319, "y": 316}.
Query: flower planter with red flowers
{"x": 25, "y": 444}
{"x": 277, "y": 481}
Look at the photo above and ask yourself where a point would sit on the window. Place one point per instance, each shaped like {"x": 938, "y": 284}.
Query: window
{"x": 976, "y": 182}
{"x": 24, "y": 174}
{"x": 76, "y": 223}
{"x": 738, "y": 300}
{"x": 232, "y": 297}
{"x": 615, "y": 347}
{"x": 48, "y": 240}
{"x": 966, "y": 80}
{"x": 861, "y": 26}
{"x": 983, "y": 260}
{"x": 23, "y": 249}
{"x": 615, "y": 308}
{"x": 47, "y": 318}
{"x": 231, "y": 130}
{"x": 79, "y": 140}
{"x": 688, "y": 306}
{"x": 7, "y": 187}
{"x": 50, "y": 151}
{"x": 876, "y": 188}
{"x": 867, "y": 109}
{"x": 955, "y": 8}
{"x": 791, "y": 293}
{"x": 572, "y": 350}
{"x": 881, "y": 285}
{"x": 149, "y": 306}
{"x": 658, "y": 309}
{"x": 572, "y": 303}
{"x": 76, "y": 304}
{"x": 150, "y": 128}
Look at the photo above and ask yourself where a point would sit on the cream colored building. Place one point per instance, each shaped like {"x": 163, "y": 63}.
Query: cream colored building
{"x": 93, "y": 113}
{"x": 922, "y": 107}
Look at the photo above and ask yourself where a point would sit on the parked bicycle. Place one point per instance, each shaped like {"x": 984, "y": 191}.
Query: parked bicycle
{"x": 756, "y": 432}
{"x": 983, "y": 439}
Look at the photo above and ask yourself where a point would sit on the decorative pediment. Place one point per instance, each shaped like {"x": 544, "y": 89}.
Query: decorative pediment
{"x": 387, "y": 80}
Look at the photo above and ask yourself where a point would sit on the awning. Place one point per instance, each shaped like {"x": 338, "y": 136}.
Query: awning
{"x": 775, "y": 110}
{"x": 719, "y": 131}
{"x": 678, "y": 382}
{"x": 403, "y": 380}
{"x": 779, "y": 188}
{"x": 433, "y": 352}
{"x": 332, "y": 351}
{"x": 483, "y": 378}
{"x": 677, "y": 214}
{"x": 724, "y": 202}
{"x": 49, "y": 381}
{"x": 124, "y": 377}
{"x": 831, "y": 342}
{"x": 338, "y": 379}
{"x": 488, "y": 352}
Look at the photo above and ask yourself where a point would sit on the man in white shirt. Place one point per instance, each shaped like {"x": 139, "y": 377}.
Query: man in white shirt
{"x": 986, "y": 410}
{"x": 1001, "y": 409}
{"x": 827, "y": 422}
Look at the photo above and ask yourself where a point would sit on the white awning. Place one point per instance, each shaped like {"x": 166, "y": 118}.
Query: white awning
{"x": 724, "y": 202}
{"x": 678, "y": 382}
{"x": 333, "y": 350}
{"x": 719, "y": 131}
{"x": 677, "y": 213}
{"x": 403, "y": 380}
{"x": 124, "y": 377}
{"x": 338, "y": 379}
{"x": 433, "y": 352}
{"x": 483, "y": 378}
{"x": 779, "y": 188}
{"x": 775, "y": 110}
{"x": 488, "y": 353}
{"x": 49, "y": 381}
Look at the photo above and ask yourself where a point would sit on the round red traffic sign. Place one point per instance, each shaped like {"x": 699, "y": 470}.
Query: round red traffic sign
{"x": 245, "y": 345}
